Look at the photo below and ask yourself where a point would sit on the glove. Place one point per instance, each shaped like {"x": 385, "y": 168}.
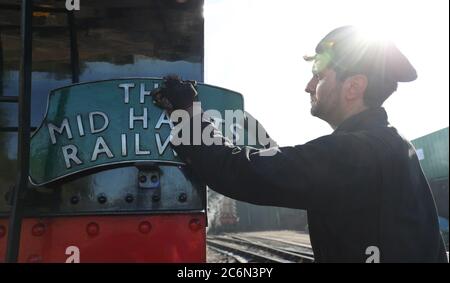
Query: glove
{"x": 175, "y": 94}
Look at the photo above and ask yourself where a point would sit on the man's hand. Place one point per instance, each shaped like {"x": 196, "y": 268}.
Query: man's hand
{"x": 175, "y": 94}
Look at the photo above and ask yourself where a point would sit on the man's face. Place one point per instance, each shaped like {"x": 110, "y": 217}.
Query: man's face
{"x": 325, "y": 93}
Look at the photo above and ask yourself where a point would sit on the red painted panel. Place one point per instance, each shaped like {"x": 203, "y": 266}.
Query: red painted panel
{"x": 3, "y": 238}
{"x": 140, "y": 238}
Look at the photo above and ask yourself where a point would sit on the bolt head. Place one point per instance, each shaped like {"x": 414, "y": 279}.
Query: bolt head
{"x": 142, "y": 178}
{"x": 156, "y": 197}
{"x": 129, "y": 198}
{"x": 154, "y": 179}
{"x": 195, "y": 224}
{"x": 145, "y": 227}
{"x": 102, "y": 199}
{"x": 74, "y": 200}
{"x": 182, "y": 197}
{"x": 92, "y": 229}
{"x": 38, "y": 230}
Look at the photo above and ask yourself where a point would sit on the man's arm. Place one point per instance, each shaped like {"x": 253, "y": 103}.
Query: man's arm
{"x": 332, "y": 171}
{"x": 316, "y": 175}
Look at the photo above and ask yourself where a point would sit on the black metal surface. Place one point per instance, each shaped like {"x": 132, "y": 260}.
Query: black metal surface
{"x": 1, "y": 65}
{"x": 36, "y": 8}
{"x": 14, "y": 129}
{"x": 12, "y": 249}
{"x": 74, "y": 58}
{"x": 9, "y": 99}
{"x": 119, "y": 191}
{"x": 53, "y": 29}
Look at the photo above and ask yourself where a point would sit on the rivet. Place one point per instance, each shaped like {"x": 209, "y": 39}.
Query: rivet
{"x": 142, "y": 178}
{"x": 129, "y": 198}
{"x": 145, "y": 227}
{"x": 182, "y": 197}
{"x": 2, "y": 231}
{"x": 38, "y": 230}
{"x": 102, "y": 199}
{"x": 92, "y": 229}
{"x": 156, "y": 197}
{"x": 74, "y": 200}
{"x": 195, "y": 224}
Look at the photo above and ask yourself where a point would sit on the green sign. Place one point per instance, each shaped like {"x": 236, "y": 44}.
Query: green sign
{"x": 112, "y": 122}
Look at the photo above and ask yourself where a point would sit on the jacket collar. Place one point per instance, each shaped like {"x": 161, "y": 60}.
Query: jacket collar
{"x": 370, "y": 118}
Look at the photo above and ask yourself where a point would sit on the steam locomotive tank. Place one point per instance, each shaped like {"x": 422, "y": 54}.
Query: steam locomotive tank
{"x": 132, "y": 214}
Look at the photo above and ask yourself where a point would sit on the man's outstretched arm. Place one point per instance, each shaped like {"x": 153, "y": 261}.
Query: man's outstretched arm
{"x": 259, "y": 176}
{"x": 311, "y": 176}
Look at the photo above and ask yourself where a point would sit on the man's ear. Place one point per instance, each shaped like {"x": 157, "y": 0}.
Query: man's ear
{"x": 355, "y": 86}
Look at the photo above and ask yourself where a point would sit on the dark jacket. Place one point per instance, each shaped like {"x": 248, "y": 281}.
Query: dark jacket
{"x": 362, "y": 186}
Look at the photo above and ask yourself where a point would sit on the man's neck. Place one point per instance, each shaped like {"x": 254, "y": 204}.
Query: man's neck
{"x": 353, "y": 111}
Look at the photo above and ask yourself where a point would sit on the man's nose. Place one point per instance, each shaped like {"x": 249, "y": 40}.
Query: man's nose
{"x": 311, "y": 86}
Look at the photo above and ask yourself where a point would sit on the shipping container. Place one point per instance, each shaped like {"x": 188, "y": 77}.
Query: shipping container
{"x": 432, "y": 151}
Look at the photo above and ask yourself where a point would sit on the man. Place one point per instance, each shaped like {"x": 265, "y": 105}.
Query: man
{"x": 363, "y": 187}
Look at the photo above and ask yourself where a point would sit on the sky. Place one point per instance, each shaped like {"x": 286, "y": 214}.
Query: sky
{"x": 255, "y": 47}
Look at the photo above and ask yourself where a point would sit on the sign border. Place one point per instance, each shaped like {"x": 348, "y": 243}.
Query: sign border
{"x": 120, "y": 163}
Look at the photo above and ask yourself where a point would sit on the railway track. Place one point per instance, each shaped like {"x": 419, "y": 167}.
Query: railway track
{"x": 249, "y": 250}
{"x": 295, "y": 247}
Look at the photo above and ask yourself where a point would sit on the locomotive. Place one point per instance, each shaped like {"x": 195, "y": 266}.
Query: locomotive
{"x": 100, "y": 189}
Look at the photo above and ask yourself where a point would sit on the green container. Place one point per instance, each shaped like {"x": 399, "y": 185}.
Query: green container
{"x": 432, "y": 151}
